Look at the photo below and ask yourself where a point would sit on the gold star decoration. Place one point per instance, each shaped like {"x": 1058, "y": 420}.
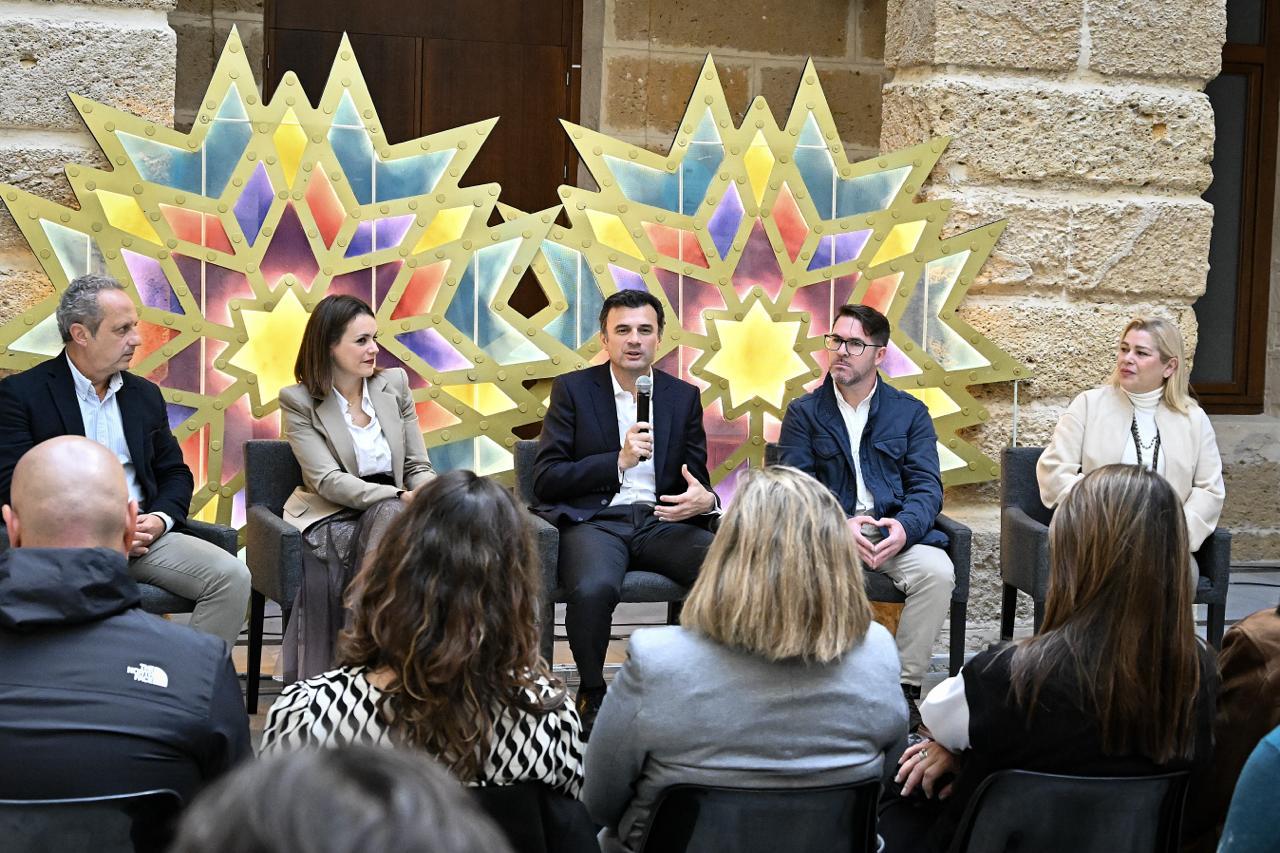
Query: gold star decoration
{"x": 751, "y": 235}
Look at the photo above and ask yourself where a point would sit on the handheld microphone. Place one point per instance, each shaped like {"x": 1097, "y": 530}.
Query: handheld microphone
{"x": 644, "y": 391}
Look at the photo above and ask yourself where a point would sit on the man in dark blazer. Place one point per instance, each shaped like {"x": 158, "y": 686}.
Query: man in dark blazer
{"x": 86, "y": 390}
{"x": 876, "y": 449}
{"x": 623, "y": 493}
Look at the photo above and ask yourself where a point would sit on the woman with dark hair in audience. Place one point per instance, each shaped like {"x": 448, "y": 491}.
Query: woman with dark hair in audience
{"x": 1116, "y": 683}
{"x": 776, "y": 676}
{"x": 442, "y": 654}
{"x": 338, "y": 801}
{"x": 1144, "y": 416}
{"x": 354, "y": 430}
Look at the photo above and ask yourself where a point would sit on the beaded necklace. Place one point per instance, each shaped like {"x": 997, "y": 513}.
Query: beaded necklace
{"x": 1139, "y": 446}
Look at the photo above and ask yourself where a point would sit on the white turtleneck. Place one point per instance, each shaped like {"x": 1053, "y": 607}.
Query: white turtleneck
{"x": 1144, "y": 409}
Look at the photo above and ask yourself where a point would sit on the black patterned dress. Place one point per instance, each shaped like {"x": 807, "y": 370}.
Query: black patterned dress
{"x": 340, "y": 707}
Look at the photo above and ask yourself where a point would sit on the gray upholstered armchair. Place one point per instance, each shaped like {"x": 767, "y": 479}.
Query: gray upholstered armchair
{"x": 273, "y": 549}
{"x": 1024, "y": 549}
{"x": 637, "y": 586}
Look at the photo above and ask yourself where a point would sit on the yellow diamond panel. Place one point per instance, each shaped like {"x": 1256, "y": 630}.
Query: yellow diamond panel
{"x": 902, "y": 240}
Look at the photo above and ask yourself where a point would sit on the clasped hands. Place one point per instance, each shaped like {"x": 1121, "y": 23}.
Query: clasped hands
{"x": 696, "y": 499}
{"x": 874, "y": 555}
{"x": 147, "y": 530}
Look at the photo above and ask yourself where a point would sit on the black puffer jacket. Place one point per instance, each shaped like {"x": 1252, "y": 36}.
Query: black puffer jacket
{"x": 98, "y": 697}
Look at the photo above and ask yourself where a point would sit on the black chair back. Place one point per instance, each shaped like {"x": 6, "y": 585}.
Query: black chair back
{"x": 1017, "y": 810}
{"x": 831, "y": 819}
{"x": 122, "y": 823}
{"x": 270, "y": 473}
{"x": 1018, "y": 484}
{"x": 537, "y": 819}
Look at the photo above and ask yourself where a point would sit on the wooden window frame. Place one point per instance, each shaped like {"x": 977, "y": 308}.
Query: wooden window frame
{"x": 1245, "y": 393}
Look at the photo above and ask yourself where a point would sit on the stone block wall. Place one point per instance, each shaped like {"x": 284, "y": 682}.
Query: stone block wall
{"x": 649, "y": 52}
{"x": 118, "y": 52}
{"x": 202, "y": 27}
{"x": 1251, "y": 444}
{"x": 1085, "y": 123}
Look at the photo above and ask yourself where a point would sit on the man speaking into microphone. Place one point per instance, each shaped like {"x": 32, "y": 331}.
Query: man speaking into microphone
{"x": 622, "y": 472}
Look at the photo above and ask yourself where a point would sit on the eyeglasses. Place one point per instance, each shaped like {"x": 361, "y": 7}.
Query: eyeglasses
{"x": 852, "y": 346}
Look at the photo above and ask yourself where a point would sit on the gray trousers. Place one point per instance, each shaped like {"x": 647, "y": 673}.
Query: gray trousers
{"x": 216, "y": 581}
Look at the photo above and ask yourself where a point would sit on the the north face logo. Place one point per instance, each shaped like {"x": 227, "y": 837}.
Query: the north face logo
{"x": 148, "y": 674}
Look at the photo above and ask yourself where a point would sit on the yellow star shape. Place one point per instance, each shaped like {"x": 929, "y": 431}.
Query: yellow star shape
{"x": 758, "y": 356}
{"x": 274, "y": 336}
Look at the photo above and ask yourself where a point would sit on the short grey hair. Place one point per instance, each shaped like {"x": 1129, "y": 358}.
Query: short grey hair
{"x": 79, "y": 303}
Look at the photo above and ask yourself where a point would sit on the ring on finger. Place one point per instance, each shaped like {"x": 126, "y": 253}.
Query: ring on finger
{"x": 924, "y": 753}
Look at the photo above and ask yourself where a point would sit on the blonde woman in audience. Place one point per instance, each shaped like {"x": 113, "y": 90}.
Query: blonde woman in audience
{"x": 1143, "y": 416}
{"x": 776, "y": 676}
{"x": 443, "y": 651}
{"x": 1116, "y": 683}
{"x": 354, "y": 430}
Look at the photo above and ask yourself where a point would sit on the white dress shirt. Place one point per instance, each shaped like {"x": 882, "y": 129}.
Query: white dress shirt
{"x": 103, "y": 424}
{"x": 855, "y": 421}
{"x": 373, "y": 454}
{"x": 639, "y": 484}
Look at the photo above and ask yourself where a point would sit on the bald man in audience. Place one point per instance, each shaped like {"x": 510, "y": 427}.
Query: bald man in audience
{"x": 87, "y": 390}
{"x": 97, "y": 696}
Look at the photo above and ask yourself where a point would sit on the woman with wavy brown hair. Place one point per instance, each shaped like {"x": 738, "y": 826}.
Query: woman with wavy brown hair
{"x": 1115, "y": 684}
{"x": 442, "y": 654}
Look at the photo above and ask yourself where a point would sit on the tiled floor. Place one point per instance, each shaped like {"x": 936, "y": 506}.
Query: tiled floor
{"x": 1252, "y": 589}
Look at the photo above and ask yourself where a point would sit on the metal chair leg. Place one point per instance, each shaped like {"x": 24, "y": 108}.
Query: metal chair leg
{"x": 1217, "y": 623}
{"x": 673, "y": 611}
{"x": 958, "y": 624}
{"x": 1008, "y": 609}
{"x": 257, "y": 615}
{"x": 547, "y": 629}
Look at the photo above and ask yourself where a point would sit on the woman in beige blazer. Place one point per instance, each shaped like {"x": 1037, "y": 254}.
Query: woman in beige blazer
{"x": 1144, "y": 416}
{"x": 354, "y": 431}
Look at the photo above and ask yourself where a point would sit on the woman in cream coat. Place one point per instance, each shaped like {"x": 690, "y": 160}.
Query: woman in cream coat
{"x": 1144, "y": 416}
{"x": 354, "y": 430}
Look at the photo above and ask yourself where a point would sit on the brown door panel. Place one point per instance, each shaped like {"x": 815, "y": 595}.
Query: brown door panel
{"x": 522, "y": 84}
{"x": 389, "y": 65}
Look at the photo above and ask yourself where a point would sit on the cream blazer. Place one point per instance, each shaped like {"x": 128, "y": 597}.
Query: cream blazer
{"x": 1092, "y": 432}
{"x": 321, "y": 441}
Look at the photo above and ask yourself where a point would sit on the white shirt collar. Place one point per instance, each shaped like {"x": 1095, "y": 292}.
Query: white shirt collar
{"x": 864, "y": 405}
{"x": 84, "y": 386}
{"x": 618, "y": 393}
{"x": 365, "y": 402}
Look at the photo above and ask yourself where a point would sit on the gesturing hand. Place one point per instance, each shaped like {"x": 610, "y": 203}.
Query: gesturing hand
{"x": 637, "y": 445}
{"x": 695, "y": 500}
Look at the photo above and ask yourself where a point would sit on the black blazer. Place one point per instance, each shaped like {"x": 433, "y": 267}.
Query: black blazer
{"x": 575, "y": 473}
{"x": 40, "y": 403}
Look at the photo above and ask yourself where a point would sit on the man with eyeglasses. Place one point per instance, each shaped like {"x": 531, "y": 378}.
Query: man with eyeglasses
{"x": 875, "y": 448}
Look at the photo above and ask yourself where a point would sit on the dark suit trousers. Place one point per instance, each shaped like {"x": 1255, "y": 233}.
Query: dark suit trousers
{"x": 594, "y": 558}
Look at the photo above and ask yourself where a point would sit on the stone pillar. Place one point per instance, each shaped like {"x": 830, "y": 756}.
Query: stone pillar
{"x": 1084, "y": 123}
{"x": 117, "y": 52}
{"x": 202, "y": 27}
